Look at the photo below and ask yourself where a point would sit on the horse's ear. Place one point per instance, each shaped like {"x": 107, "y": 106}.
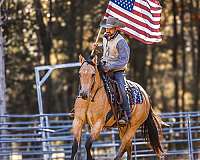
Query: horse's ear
{"x": 81, "y": 59}
{"x": 94, "y": 60}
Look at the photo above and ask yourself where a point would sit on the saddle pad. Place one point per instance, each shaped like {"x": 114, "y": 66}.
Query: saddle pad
{"x": 135, "y": 94}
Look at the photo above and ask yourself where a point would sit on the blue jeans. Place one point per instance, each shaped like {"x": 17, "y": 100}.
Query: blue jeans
{"x": 119, "y": 76}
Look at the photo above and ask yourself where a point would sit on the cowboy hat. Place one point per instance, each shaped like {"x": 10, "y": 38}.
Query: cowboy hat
{"x": 112, "y": 22}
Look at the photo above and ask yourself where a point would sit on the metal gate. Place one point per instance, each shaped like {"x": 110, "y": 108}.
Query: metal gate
{"x": 25, "y": 138}
{"x": 48, "y": 136}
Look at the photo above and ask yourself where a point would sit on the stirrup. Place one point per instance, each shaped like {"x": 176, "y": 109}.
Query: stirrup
{"x": 124, "y": 119}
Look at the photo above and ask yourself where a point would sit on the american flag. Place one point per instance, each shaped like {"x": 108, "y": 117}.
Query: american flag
{"x": 141, "y": 17}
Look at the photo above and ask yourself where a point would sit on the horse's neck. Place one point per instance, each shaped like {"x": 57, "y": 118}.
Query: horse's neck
{"x": 100, "y": 97}
{"x": 98, "y": 80}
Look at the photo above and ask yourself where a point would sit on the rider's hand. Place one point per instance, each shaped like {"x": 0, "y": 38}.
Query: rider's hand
{"x": 106, "y": 68}
{"x": 94, "y": 46}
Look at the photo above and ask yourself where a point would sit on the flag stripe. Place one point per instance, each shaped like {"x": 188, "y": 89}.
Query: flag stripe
{"x": 133, "y": 35}
{"x": 142, "y": 13}
{"x": 148, "y": 9}
{"x": 144, "y": 37}
{"x": 154, "y": 3}
{"x": 147, "y": 13}
{"x": 147, "y": 4}
{"x": 141, "y": 31}
{"x": 135, "y": 19}
{"x": 134, "y": 25}
{"x": 146, "y": 18}
{"x": 141, "y": 17}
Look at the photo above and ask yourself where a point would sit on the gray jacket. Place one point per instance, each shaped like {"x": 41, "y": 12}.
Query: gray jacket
{"x": 116, "y": 53}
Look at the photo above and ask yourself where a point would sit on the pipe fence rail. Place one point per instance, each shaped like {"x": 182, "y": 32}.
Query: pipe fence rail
{"x": 23, "y": 137}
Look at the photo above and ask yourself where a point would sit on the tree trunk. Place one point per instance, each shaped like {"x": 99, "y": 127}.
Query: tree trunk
{"x": 2, "y": 76}
{"x": 81, "y": 25}
{"x": 194, "y": 56}
{"x": 174, "y": 63}
{"x": 139, "y": 60}
{"x": 152, "y": 52}
{"x": 183, "y": 56}
{"x": 71, "y": 50}
{"x": 132, "y": 65}
{"x": 191, "y": 10}
{"x": 46, "y": 43}
{"x": 197, "y": 73}
{"x": 71, "y": 30}
{"x": 2, "y": 88}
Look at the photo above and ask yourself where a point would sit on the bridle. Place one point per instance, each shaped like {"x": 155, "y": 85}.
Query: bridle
{"x": 94, "y": 79}
{"x": 91, "y": 63}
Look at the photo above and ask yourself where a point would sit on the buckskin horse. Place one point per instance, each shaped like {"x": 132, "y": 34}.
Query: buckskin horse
{"x": 92, "y": 107}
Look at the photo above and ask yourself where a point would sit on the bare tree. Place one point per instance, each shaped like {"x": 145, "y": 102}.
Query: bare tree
{"x": 183, "y": 55}
{"x": 175, "y": 49}
{"x": 44, "y": 34}
{"x": 197, "y": 71}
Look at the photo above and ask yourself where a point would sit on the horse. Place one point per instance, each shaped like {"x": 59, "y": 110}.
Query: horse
{"x": 92, "y": 106}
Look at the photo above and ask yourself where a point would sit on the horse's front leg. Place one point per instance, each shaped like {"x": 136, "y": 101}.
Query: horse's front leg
{"x": 95, "y": 131}
{"x": 77, "y": 130}
{"x": 80, "y": 108}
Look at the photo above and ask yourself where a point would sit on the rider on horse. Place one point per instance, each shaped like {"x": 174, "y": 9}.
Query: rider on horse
{"x": 115, "y": 59}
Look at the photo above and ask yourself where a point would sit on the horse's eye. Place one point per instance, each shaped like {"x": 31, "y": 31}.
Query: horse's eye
{"x": 93, "y": 75}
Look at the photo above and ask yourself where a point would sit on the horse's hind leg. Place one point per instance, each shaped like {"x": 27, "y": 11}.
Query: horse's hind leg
{"x": 75, "y": 147}
{"x": 95, "y": 131}
{"x": 125, "y": 142}
{"x": 129, "y": 150}
{"x": 128, "y": 147}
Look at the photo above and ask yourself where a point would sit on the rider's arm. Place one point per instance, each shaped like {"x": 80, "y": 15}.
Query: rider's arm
{"x": 124, "y": 52}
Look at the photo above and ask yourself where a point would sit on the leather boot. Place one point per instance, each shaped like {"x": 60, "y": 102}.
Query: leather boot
{"x": 125, "y": 118}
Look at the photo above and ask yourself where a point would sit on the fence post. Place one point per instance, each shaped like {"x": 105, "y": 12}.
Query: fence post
{"x": 40, "y": 104}
{"x": 48, "y": 143}
{"x": 190, "y": 145}
{"x": 135, "y": 148}
{"x": 114, "y": 141}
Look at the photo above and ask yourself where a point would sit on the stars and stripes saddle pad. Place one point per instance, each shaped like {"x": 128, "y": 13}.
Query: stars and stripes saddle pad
{"x": 134, "y": 92}
{"x": 135, "y": 97}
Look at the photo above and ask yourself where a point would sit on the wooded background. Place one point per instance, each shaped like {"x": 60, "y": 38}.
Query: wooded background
{"x": 46, "y": 32}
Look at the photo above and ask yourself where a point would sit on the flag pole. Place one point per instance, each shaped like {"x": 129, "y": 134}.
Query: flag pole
{"x": 96, "y": 40}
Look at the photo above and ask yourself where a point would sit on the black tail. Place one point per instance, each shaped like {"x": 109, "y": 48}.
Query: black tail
{"x": 152, "y": 132}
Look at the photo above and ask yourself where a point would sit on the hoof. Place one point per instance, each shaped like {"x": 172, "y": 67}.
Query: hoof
{"x": 118, "y": 157}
